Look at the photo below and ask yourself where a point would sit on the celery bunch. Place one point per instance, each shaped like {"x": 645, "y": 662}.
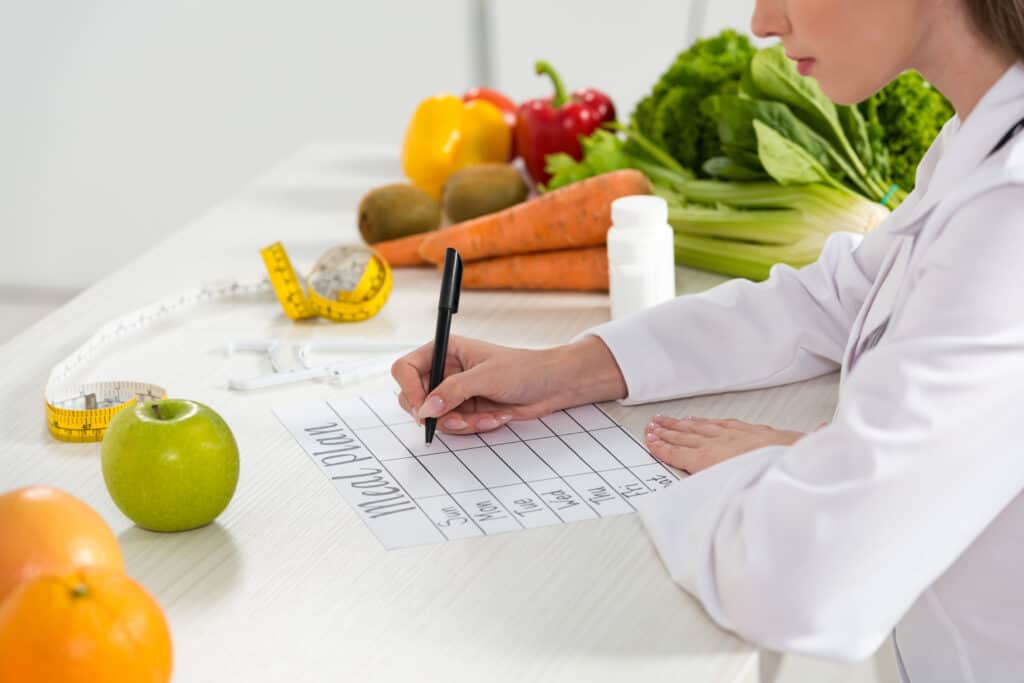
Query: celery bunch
{"x": 738, "y": 228}
{"x": 744, "y": 228}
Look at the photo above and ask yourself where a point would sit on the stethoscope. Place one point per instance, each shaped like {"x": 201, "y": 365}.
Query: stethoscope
{"x": 1018, "y": 127}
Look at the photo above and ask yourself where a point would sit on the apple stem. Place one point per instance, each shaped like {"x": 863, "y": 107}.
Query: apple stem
{"x": 156, "y": 411}
{"x": 79, "y": 591}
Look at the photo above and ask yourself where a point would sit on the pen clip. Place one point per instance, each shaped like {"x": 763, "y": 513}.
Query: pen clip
{"x": 451, "y": 283}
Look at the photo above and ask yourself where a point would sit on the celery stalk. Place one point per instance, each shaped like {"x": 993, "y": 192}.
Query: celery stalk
{"x": 816, "y": 200}
{"x": 742, "y": 259}
{"x": 809, "y": 209}
{"x": 767, "y": 226}
{"x": 781, "y": 224}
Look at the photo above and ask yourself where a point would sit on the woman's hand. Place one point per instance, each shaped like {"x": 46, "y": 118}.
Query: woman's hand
{"x": 487, "y": 385}
{"x": 693, "y": 444}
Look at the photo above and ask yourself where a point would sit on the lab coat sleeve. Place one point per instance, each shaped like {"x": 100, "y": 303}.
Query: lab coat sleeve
{"x": 821, "y": 546}
{"x": 746, "y": 335}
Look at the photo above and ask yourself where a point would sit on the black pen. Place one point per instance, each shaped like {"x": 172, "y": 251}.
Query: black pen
{"x": 447, "y": 306}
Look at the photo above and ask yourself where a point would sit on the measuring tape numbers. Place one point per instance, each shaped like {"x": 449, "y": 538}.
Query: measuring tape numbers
{"x": 85, "y": 415}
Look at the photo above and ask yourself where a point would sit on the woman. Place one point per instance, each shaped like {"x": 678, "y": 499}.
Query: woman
{"x": 904, "y": 514}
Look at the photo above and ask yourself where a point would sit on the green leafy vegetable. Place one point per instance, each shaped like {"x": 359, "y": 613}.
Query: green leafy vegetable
{"x": 745, "y": 228}
{"x": 670, "y": 116}
{"x": 788, "y": 162}
{"x": 602, "y": 152}
{"x": 868, "y": 147}
{"x": 737, "y": 228}
{"x": 725, "y": 168}
{"x": 856, "y": 132}
{"x": 790, "y": 167}
{"x": 776, "y": 77}
{"x": 902, "y": 121}
{"x": 736, "y": 116}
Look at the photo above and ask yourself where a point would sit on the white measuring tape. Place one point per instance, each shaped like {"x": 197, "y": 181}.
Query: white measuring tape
{"x": 81, "y": 411}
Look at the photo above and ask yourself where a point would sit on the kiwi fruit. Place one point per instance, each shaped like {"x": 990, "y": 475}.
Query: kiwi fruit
{"x": 397, "y": 210}
{"x": 481, "y": 189}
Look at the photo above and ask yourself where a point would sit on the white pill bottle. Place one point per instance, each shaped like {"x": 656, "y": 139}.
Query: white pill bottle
{"x": 641, "y": 260}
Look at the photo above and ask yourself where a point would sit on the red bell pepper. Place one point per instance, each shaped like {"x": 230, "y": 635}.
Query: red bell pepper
{"x": 555, "y": 123}
{"x": 507, "y": 107}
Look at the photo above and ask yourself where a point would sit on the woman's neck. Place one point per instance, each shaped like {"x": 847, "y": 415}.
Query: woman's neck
{"x": 960, "y": 63}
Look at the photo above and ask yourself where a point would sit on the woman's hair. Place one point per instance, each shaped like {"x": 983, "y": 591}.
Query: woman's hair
{"x": 1001, "y": 21}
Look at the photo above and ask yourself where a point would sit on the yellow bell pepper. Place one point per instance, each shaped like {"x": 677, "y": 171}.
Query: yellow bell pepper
{"x": 446, "y": 134}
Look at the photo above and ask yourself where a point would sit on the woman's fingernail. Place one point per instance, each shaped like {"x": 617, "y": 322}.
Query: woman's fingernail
{"x": 432, "y": 407}
{"x": 651, "y": 438}
{"x": 454, "y": 423}
{"x": 503, "y": 418}
{"x": 488, "y": 423}
{"x": 651, "y": 426}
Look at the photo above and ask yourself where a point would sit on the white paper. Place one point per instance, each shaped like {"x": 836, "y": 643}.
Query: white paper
{"x": 569, "y": 466}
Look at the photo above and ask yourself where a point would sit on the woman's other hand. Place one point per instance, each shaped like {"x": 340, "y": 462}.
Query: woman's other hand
{"x": 694, "y": 443}
{"x": 487, "y": 385}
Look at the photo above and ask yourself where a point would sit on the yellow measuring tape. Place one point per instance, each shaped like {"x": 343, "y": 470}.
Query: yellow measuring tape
{"x": 347, "y": 284}
{"x": 85, "y": 417}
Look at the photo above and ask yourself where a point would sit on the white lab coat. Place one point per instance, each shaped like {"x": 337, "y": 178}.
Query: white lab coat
{"x": 907, "y": 511}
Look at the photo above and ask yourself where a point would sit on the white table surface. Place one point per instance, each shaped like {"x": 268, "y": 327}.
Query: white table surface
{"x": 288, "y": 584}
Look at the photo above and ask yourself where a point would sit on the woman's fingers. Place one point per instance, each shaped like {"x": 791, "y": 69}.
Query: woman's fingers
{"x": 696, "y": 425}
{"x": 458, "y": 388}
{"x": 403, "y": 402}
{"x": 409, "y": 371}
{"x": 412, "y": 372}
{"x": 461, "y": 423}
{"x": 676, "y": 437}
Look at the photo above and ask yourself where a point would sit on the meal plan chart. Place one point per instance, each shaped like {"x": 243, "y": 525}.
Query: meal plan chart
{"x": 572, "y": 465}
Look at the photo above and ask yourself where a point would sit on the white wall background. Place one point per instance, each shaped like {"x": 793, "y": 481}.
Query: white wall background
{"x": 122, "y": 120}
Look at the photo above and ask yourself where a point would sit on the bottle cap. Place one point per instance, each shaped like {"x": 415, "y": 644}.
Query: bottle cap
{"x": 639, "y": 211}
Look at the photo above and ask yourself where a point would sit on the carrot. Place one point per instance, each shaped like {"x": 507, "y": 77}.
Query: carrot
{"x": 402, "y": 251}
{"x": 576, "y": 215}
{"x": 583, "y": 269}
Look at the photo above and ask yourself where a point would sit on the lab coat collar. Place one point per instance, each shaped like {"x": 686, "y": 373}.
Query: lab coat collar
{"x": 961, "y": 148}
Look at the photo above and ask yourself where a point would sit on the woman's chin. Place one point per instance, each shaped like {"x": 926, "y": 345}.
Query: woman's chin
{"x": 847, "y": 90}
{"x": 843, "y": 94}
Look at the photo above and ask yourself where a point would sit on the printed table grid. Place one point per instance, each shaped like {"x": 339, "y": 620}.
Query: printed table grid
{"x": 572, "y": 465}
{"x": 431, "y": 473}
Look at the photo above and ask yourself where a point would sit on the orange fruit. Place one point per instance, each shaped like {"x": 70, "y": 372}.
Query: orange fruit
{"x": 93, "y": 624}
{"x": 44, "y": 530}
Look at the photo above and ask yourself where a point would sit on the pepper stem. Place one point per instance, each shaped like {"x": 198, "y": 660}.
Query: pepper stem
{"x": 543, "y": 68}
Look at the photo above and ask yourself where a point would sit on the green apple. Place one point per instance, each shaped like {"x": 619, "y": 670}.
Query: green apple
{"x": 170, "y": 465}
